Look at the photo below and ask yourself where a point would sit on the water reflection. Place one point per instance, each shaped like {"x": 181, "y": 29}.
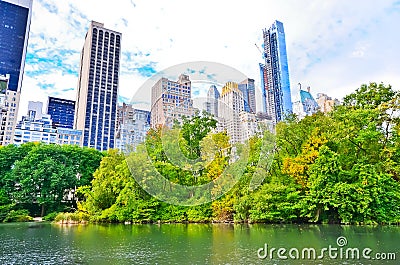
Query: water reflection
{"x": 44, "y": 243}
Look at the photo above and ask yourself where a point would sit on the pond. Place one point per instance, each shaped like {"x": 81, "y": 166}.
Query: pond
{"x": 46, "y": 243}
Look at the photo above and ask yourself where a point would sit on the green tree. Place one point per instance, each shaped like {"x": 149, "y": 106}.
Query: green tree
{"x": 44, "y": 174}
{"x": 369, "y": 96}
{"x": 194, "y": 130}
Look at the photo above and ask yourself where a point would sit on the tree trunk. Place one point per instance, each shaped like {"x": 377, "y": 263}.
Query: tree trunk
{"x": 43, "y": 209}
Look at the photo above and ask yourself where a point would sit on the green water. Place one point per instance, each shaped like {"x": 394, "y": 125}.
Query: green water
{"x": 45, "y": 243}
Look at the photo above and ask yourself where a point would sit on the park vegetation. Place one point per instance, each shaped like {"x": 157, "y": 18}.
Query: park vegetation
{"x": 339, "y": 167}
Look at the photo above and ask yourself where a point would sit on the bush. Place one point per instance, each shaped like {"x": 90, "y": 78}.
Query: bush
{"x": 5, "y": 210}
{"x": 50, "y": 216}
{"x": 18, "y": 216}
{"x": 77, "y": 217}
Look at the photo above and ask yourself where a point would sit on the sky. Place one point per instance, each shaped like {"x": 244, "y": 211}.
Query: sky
{"x": 333, "y": 46}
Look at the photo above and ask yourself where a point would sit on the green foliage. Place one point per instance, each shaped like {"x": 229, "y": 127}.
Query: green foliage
{"x": 74, "y": 218}
{"x": 50, "y": 217}
{"x": 17, "y": 216}
{"x": 340, "y": 167}
{"x": 369, "y": 96}
{"x": 41, "y": 175}
{"x": 4, "y": 210}
{"x": 194, "y": 130}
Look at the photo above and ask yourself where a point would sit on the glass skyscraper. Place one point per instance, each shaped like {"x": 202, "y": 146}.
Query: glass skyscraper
{"x": 97, "y": 95}
{"x": 15, "y": 19}
{"x": 275, "y": 83}
{"x": 62, "y": 112}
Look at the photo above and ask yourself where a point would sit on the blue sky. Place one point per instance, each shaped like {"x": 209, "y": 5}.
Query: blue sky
{"x": 333, "y": 46}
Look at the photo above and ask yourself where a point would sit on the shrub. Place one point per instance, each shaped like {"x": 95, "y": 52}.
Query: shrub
{"x": 50, "y": 216}
{"x": 77, "y": 217}
{"x": 18, "y": 216}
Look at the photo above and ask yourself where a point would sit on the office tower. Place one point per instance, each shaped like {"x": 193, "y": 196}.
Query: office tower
{"x": 231, "y": 103}
{"x": 275, "y": 83}
{"x": 62, "y": 112}
{"x": 306, "y": 105}
{"x": 97, "y": 93}
{"x": 171, "y": 101}
{"x": 132, "y": 128}
{"x": 15, "y": 19}
{"x": 211, "y": 105}
{"x": 249, "y": 94}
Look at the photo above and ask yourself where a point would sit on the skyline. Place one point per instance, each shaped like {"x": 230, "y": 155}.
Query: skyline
{"x": 333, "y": 47}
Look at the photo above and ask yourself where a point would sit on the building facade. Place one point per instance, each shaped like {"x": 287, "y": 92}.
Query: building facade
{"x": 9, "y": 104}
{"x": 62, "y": 112}
{"x": 35, "y": 110}
{"x": 37, "y": 126}
{"x": 211, "y": 104}
{"x": 170, "y": 101}
{"x": 326, "y": 103}
{"x": 133, "y": 125}
{"x": 231, "y": 104}
{"x": 274, "y": 71}
{"x": 15, "y": 19}
{"x": 97, "y": 93}
{"x": 69, "y": 136}
{"x": 306, "y": 105}
{"x": 40, "y": 130}
{"x": 249, "y": 94}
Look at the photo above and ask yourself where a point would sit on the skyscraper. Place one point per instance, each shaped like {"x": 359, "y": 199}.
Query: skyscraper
{"x": 231, "y": 104}
{"x": 211, "y": 105}
{"x": 62, "y": 112}
{"x": 248, "y": 89}
{"x": 15, "y": 19}
{"x": 97, "y": 95}
{"x": 275, "y": 83}
{"x": 171, "y": 100}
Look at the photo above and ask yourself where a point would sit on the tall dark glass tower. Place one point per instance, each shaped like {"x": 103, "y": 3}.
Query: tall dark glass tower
{"x": 15, "y": 19}
{"x": 62, "y": 112}
{"x": 97, "y": 95}
{"x": 275, "y": 83}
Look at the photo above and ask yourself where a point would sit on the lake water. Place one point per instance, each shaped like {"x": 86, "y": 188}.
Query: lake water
{"x": 45, "y": 243}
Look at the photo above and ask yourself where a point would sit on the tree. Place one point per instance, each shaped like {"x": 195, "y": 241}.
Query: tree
{"x": 44, "y": 175}
{"x": 194, "y": 130}
{"x": 369, "y": 96}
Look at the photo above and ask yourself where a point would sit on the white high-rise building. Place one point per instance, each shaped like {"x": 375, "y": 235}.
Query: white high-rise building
{"x": 97, "y": 95}
{"x": 37, "y": 127}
